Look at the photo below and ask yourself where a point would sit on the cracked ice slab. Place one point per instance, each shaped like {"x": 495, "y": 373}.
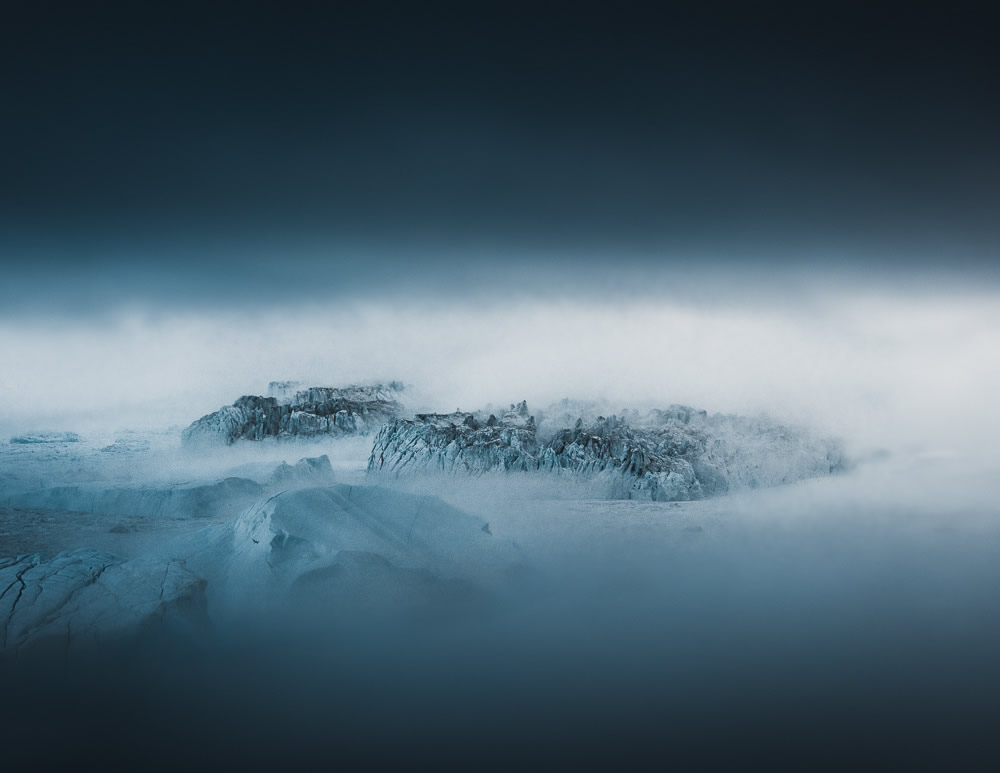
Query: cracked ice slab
{"x": 86, "y": 595}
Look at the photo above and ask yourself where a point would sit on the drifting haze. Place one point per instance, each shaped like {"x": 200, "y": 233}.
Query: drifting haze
{"x": 881, "y": 371}
{"x": 761, "y": 208}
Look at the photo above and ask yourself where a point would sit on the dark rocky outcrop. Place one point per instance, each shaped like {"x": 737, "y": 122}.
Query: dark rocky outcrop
{"x": 309, "y": 412}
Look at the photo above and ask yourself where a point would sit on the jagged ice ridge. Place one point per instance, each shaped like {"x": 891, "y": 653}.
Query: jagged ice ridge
{"x": 309, "y": 412}
{"x": 671, "y": 455}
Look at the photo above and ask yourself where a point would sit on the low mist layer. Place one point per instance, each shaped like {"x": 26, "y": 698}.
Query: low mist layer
{"x": 880, "y": 370}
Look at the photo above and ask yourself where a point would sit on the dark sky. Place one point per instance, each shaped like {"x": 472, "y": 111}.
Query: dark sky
{"x": 199, "y": 143}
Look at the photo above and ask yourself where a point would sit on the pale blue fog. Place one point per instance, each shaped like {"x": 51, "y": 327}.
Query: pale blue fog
{"x": 458, "y": 386}
{"x": 835, "y": 542}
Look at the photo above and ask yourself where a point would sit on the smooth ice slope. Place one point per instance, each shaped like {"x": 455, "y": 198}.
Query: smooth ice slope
{"x": 344, "y": 536}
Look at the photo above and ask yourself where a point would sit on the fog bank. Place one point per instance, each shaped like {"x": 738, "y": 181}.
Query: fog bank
{"x": 880, "y": 370}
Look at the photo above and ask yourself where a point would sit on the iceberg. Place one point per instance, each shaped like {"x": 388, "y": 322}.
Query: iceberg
{"x": 306, "y": 413}
{"x": 46, "y": 437}
{"x": 671, "y": 454}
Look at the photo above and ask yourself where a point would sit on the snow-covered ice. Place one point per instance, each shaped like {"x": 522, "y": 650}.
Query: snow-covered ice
{"x": 670, "y": 455}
